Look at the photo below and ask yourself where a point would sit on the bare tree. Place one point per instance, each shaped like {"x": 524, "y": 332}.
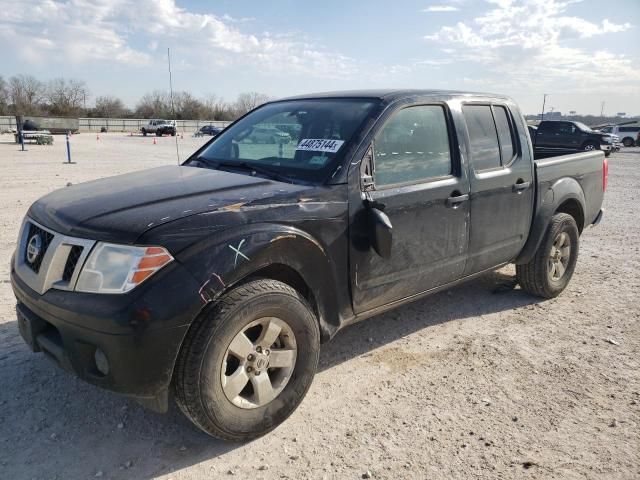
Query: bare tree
{"x": 110, "y": 107}
{"x": 66, "y": 97}
{"x": 25, "y": 94}
{"x": 248, "y": 101}
{"x": 188, "y": 107}
{"x": 156, "y": 104}
{"x": 217, "y": 108}
{"x": 4, "y": 97}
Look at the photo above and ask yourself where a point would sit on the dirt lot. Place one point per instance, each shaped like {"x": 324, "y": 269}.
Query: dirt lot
{"x": 477, "y": 382}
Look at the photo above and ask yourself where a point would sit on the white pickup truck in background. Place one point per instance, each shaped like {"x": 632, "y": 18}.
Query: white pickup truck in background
{"x": 159, "y": 127}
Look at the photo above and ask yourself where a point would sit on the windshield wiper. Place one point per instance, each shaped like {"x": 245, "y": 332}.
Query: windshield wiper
{"x": 253, "y": 169}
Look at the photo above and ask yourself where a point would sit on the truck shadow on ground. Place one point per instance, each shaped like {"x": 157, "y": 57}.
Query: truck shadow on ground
{"x": 56, "y": 424}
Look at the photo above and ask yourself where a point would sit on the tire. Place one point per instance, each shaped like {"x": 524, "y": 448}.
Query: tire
{"x": 606, "y": 154}
{"x": 173, "y": 133}
{"x": 144, "y": 132}
{"x": 628, "y": 142}
{"x": 206, "y": 358}
{"x": 536, "y": 276}
{"x": 589, "y": 146}
{"x": 158, "y": 133}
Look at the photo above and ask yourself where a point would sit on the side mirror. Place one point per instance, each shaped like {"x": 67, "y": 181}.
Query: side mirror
{"x": 381, "y": 232}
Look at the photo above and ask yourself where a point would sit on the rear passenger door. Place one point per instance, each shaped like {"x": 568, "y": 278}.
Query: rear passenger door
{"x": 424, "y": 192}
{"x": 501, "y": 181}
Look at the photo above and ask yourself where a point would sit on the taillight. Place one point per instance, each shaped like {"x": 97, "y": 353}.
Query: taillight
{"x": 605, "y": 174}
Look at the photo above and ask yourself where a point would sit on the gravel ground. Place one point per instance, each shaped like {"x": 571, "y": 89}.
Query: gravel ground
{"x": 477, "y": 382}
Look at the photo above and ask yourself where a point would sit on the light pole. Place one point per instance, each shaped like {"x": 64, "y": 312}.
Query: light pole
{"x": 544, "y": 101}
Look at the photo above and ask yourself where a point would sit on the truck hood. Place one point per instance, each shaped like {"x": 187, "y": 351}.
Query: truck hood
{"x": 122, "y": 208}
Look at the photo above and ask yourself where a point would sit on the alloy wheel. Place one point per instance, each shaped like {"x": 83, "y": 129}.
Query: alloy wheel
{"x": 559, "y": 256}
{"x": 259, "y": 362}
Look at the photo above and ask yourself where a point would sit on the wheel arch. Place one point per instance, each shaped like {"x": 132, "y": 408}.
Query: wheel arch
{"x": 277, "y": 252}
{"x": 564, "y": 196}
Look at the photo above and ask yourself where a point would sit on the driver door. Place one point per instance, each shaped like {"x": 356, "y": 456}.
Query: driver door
{"x": 419, "y": 185}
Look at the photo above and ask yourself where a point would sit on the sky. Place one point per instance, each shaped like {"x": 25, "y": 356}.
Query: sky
{"x": 580, "y": 53}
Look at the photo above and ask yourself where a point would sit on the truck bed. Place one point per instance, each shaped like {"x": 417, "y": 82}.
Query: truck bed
{"x": 586, "y": 168}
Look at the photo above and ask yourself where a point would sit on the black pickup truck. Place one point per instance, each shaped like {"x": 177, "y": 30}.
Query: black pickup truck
{"x": 218, "y": 280}
{"x": 554, "y": 137}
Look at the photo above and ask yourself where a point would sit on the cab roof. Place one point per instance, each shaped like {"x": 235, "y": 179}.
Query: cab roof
{"x": 390, "y": 95}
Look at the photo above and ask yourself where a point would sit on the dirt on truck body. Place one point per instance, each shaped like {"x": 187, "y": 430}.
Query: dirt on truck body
{"x": 220, "y": 278}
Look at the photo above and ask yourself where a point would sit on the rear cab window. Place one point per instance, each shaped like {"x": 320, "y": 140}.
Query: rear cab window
{"x": 491, "y": 136}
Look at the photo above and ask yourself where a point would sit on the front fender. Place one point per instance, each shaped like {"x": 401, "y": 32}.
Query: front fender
{"x": 550, "y": 198}
{"x": 230, "y": 256}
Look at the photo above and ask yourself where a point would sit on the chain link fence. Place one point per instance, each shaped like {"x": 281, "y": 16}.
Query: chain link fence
{"x": 8, "y": 123}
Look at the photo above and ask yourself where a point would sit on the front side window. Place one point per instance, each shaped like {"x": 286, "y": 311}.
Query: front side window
{"x": 412, "y": 146}
{"x": 298, "y": 139}
{"x": 483, "y": 137}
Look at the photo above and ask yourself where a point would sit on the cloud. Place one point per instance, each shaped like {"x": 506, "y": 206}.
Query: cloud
{"x": 132, "y": 32}
{"x": 441, "y": 8}
{"x": 528, "y": 41}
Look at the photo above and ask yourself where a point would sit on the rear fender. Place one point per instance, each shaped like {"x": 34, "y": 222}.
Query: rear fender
{"x": 565, "y": 192}
{"x": 235, "y": 255}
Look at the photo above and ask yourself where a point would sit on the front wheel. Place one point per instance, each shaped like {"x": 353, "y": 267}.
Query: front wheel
{"x": 248, "y": 362}
{"x": 549, "y": 271}
{"x": 589, "y": 146}
{"x": 144, "y": 132}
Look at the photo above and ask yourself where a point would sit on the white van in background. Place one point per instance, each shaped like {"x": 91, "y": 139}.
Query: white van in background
{"x": 626, "y": 133}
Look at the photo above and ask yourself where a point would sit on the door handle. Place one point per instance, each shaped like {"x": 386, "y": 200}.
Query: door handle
{"x": 521, "y": 186}
{"x": 455, "y": 200}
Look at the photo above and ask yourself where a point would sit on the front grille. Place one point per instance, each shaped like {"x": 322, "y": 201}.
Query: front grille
{"x": 45, "y": 238}
{"x": 55, "y": 257}
{"x": 72, "y": 261}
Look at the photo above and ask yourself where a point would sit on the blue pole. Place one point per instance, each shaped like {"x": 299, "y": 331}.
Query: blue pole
{"x": 68, "y": 149}
{"x": 22, "y": 140}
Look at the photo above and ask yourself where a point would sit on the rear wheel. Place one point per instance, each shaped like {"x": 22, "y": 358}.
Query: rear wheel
{"x": 628, "y": 142}
{"x": 549, "y": 271}
{"x": 247, "y": 364}
{"x": 144, "y": 132}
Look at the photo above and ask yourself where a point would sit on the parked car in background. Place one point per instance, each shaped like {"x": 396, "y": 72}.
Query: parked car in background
{"x": 268, "y": 135}
{"x": 626, "y": 133}
{"x": 219, "y": 279}
{"x": 210, "y": 130}
{"x": 564, "y": 137}
{"x": 159, "y": 127}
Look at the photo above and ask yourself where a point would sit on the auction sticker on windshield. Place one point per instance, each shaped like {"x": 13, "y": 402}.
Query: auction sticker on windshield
{"x": 319, "y": 145}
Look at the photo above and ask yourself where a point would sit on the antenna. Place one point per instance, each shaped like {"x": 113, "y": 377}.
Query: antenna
{"x": 173, "y": 108}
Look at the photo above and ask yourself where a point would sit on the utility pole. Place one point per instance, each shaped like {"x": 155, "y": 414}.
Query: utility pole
{"x": 602, "y": 109}
{"x": 544, "y": 101}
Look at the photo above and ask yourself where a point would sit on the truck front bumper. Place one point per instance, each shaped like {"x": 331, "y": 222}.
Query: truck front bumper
{"x": 124, "y": 343}
{"x": 606, "y": 147}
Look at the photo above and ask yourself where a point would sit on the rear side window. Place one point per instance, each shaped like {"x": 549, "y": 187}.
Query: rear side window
{"x": 505, "y": 134}
{"x": 413, "y": 146}
{"x": 629, "y": 129}
{"x": 485, "y": 149}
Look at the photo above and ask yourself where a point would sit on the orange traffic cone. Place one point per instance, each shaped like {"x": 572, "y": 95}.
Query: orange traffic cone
{"x": 154, "y": 141}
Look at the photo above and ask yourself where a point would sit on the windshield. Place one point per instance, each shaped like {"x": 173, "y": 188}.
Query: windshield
{"x": 583, "y": 127}
{"x": 298, "y": 139}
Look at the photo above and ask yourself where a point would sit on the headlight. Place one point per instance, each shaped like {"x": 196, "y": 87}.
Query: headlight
{"x": 119, "y": 268}
{"x": 606, "y": 139}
